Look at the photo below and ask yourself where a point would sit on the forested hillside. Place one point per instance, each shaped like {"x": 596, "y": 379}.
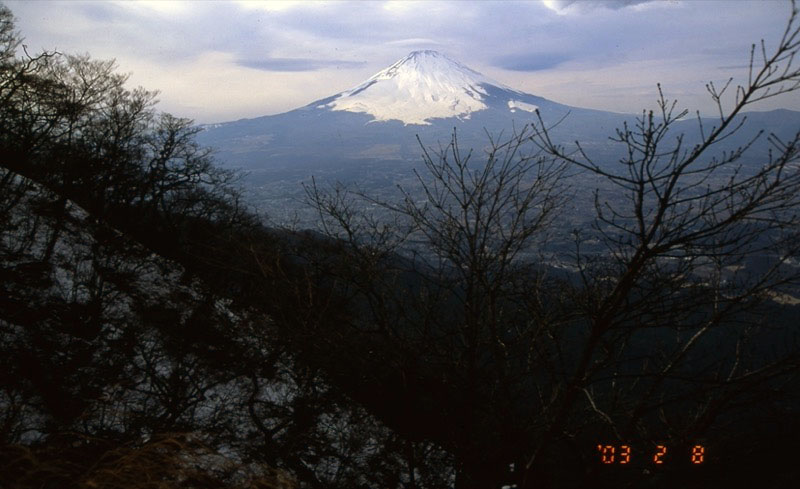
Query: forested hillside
{"x": 155, "y": 334}
{"x": 147, "y": 319}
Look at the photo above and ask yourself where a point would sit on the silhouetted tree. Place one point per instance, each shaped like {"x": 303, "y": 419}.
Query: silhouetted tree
{"x": 681, "y": 244}
{"x": 445, "y": 290}
{"x": 659, "y": 339}
{"x": 141, "y": 342}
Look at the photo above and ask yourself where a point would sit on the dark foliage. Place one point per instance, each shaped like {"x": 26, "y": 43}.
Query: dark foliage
{"x": 680, "y": 331}
{"x": 154, "y": 334}
{"x": 147, "y": 321}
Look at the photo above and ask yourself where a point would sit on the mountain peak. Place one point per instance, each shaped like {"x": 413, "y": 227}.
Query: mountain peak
{"x": 422, "y": 85}
{"x": 423, "y": 52}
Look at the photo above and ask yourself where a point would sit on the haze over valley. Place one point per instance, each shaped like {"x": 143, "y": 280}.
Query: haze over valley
{"x": 406, "y": 245}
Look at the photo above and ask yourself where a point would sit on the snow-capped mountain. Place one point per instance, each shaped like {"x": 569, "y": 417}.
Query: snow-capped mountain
{"x": 425, "y": 94}
{"x": 422, "y": 86}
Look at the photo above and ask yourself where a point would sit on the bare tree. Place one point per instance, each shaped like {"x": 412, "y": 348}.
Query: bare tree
{"x": 679, "y": 244}
{"x": 139, "y": 330}
{"x": 445, "y": 282}
{"x": 659, "y": 338}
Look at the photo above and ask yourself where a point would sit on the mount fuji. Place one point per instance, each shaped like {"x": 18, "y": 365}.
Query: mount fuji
{"x": 425, "y": 85}
{"x": 425, "y": 94}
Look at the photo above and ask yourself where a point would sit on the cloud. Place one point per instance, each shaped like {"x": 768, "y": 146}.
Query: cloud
{"x": 563, "y": 6}
{"x": 276, "y": 5}
{"x": 297, "y": 64}
{"x": 161, "y": 7}
{"x": 417, "y": 41}
{"x": 224, "y": 60}
{"x": 530, "y": 61}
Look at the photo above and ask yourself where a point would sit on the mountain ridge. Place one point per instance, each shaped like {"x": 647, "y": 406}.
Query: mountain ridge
{"x": 427, "y": 94}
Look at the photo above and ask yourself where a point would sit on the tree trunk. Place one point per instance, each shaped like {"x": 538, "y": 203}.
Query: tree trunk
{"x": 481, "y": 471}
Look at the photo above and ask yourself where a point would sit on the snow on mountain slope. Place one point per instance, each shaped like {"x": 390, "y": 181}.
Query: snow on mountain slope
{"x": 513, "y": 105}
{"x": 422, "y": 86}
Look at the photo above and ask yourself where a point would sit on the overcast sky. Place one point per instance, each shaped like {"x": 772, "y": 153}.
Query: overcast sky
{"x": 220, "y": 61}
